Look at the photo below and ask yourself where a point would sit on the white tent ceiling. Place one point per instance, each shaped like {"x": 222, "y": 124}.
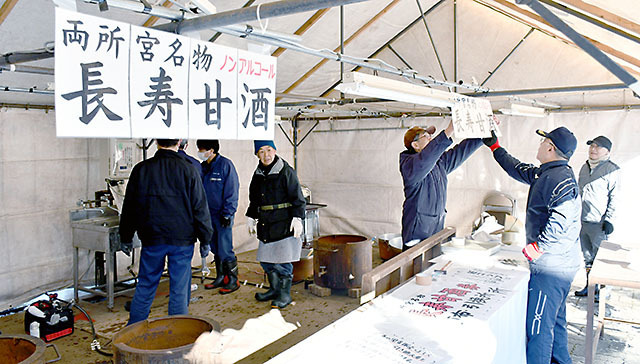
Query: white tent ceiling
{"x": 506, "y": 48}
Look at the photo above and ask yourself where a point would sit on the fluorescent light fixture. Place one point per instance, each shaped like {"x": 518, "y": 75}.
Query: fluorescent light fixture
{"x": 362, "y": 84}
{"x": 524, "y": 110}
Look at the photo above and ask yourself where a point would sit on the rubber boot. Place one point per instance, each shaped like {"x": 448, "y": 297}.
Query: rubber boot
{"x": 230, "y": 280}
{"x": 272, "y": 293}
{"x": 284, "y": 293}
{"x": 583, "y": 292}
{"x": 218, "y": 282}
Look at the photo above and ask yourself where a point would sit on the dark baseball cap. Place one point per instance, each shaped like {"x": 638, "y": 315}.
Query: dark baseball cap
{"x": 601, "y": 141}
{"x": 562, "y": 138}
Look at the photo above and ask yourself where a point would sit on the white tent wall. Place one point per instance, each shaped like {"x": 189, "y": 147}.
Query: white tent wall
{"x": 356, "y": 173}
{"x": 41, "y": 178}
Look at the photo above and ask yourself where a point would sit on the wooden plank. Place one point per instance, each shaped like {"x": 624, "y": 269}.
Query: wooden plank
{"x": 534, "y": 20}
{"x": 351, "y": 38}
{"x": 603, "y": 14}
{"x": 6, "y": 8}
{"x": 405, "y": 262}
{"x": 303, "y": 28}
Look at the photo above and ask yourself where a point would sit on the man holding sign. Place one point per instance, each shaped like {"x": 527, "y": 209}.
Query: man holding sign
{"x": 424, "y": 167}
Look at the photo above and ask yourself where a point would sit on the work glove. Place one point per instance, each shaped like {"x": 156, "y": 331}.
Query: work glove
{"x": 126, "y": 248}
{"x": 492, "y": 141}
{"x": 205, "y": 249}
{"x": 225, "y": 221}
{"x": 252, "y": 224}
{"x": 532, "y": 251}
{"x": 296, "y": 227}
{"x": 607, "y": 227}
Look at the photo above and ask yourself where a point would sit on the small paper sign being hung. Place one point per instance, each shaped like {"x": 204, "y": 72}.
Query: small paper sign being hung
{"x": 473, "y": 118}
{"x": 118, "y": 80}
{"x": 92, "y": 96}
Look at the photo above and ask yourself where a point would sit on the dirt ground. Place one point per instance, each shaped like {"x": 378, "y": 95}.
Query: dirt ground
{"x": 231, "y": 311}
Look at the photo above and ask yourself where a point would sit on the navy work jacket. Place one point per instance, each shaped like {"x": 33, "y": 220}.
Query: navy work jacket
{"x": 553, "y": 210}
{"x": 165, "y": 202}
{"x": 221, "y": 184}
{"x": 424, "y": 176}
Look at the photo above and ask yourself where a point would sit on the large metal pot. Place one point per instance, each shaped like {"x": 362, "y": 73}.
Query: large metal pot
{"x": 160, "y": 341}
{"x": 339, "y": 261}
{"x": 303, "y": 268}
{"x": 23, "y": 349}
{"x": 389, "y": 245}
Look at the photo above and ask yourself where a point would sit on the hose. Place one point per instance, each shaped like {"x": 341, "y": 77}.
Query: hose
{"x": 95, "y": 344}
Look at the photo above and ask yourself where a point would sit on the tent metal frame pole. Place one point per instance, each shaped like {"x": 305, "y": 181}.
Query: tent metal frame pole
{"x": 263, "y": 11}
{"x": 218, "y": 34}
{"x": 393, "y": 39}
{"x": 433, "y": 45}
{"x": 21, "y": 57}
{"x": 581, "y": 42}
{"x": 341, "y": 46}
{"x": 615, "y": 86}
{"x": 401, "y": 59}
{"x": 455, "y": 43}
{"x": 358, "y": 62}
{"x": 26, "y": 69}
{"x": 507, "y": 56}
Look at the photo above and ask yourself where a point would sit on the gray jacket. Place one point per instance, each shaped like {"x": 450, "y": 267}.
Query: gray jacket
{"x": 599, "y": 190}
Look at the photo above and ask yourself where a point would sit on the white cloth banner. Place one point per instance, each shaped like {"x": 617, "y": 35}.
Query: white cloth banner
{"x": 118, "y": 80}
{"x": 213, "y": 93}
{"x": 92, "y": 96}
{"x": 159, "y": 84}
{"x": 256, "y": 95}
{"x": 469, "y": 315}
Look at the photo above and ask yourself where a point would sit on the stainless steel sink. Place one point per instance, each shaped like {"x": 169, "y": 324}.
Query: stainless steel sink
{"x": 97, "y": 229}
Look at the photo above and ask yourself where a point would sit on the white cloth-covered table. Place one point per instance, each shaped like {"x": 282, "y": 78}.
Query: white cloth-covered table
{"x": 473, "y": 314}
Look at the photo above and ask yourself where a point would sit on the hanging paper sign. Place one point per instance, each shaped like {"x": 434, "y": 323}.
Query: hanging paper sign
{"x": 472, "y": 118}
{"x": 256, "y": 95}
{"x": 213, "y": 109}
{"x": 159, "y": 80}
{"x": 91, "y": 96}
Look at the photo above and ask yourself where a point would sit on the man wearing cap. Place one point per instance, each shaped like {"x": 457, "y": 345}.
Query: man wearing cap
{"x": 598, "y": 181}
{"x": 424, "y": 167}
{"x": 553, "y": 250}
{"x": 275, "y": 213}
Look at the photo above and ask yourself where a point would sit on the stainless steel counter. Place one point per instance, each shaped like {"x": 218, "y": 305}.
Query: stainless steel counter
{"x": 96, "y": 229}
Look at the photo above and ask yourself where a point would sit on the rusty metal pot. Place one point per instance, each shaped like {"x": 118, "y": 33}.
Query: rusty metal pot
{"x": 22, "y": 349}
{"x": 389, "y": 245}
{"x": 303, "y": 268}
{"x": 339, "y": 261}
{"x": 162, "y": 340}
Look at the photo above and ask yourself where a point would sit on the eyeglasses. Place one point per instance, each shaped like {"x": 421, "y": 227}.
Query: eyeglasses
{"x": 420, "y": 136}
{"x": 549, "y": 140}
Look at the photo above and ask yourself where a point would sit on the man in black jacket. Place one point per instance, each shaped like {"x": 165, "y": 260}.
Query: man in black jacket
{"x": 166, "y": 204}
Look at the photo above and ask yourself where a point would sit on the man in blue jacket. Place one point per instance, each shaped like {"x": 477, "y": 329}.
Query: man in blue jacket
{"x": 165, "y": 203}
{"x": 424, "y": 167}
{"x": 220, "y": 181}
{"x": 553, "y": 248}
